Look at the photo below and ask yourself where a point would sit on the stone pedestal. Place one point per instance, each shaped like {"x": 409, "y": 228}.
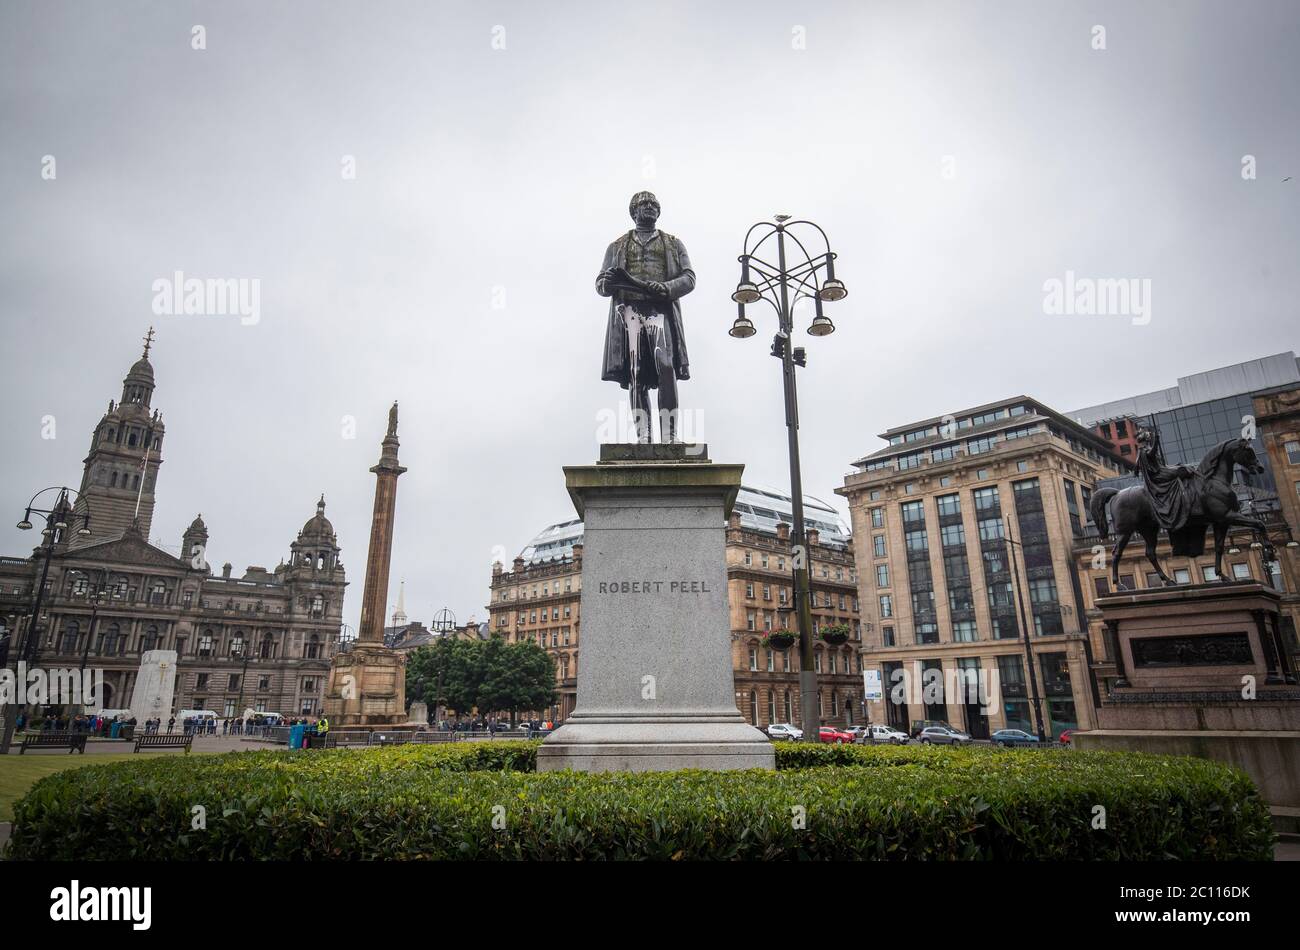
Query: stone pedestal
{"x": 419, "y": 713}
{"x": 1201, "y": 670}
{"x": 155, "y": 686}
{"x": 655, "y": 684}
{"x": 367, "y": 687}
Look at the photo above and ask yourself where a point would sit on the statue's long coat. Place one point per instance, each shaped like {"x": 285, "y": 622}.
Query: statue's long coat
{"x": 1175, "y": 492}
{"x": 681, "y": 281}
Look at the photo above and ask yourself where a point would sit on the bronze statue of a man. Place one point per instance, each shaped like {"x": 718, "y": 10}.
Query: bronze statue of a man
{"x": 645, "y": 273}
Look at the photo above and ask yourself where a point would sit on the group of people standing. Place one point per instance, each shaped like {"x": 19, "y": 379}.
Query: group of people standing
{"x": 89, "y": 724}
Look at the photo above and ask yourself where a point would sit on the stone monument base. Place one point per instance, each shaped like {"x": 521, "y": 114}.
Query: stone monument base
{"x": 655, "y": 684}
{"x": 653, "y": 745}
{"x": 1202, "y": 671}
{"x": 367, "y": 687}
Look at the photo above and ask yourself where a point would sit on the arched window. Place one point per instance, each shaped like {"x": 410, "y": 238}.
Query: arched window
{"x": 150, "y": 638}
{"x": 111, "y": 642}
{"x": 71, "y": 635}
{"x": 312, "y": 650}
{"x": 159, "y": 593}
{"x": 205, "y": 642}
{"x": 237, "y": 644}
{"x": 266, "y": 647}
{"x": 113, "y": 481}
{"x": 317, "y": 606}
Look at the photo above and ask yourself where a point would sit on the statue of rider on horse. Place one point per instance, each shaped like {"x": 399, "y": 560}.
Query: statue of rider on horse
{"x": 1182, "y": 500}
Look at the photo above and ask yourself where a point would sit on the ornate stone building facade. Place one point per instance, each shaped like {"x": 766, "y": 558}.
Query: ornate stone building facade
{"x": 262, "y": 641}
{"x": 539, "y": 599}
{"x": 760, "y": 592}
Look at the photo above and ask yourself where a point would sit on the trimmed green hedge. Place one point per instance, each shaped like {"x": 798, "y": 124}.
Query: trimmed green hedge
{"x": 484, "y": 801}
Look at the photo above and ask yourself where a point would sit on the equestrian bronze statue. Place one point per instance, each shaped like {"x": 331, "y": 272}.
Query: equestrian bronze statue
{"x": 1182, "y": 500}
{"x": 645, "y": 273}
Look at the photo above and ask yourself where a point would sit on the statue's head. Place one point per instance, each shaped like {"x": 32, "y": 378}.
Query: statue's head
{"x": 1145, "y": 438}
{"x": 644, "y": 209}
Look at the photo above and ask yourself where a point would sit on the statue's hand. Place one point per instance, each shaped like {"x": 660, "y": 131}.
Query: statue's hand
{"x": 657, "y": 287}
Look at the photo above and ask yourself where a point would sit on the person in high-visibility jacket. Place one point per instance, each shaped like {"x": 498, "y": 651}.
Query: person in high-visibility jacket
{"x": 322, "y": 726}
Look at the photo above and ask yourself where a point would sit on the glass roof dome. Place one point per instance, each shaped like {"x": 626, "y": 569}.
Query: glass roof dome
{"x": 760, "y": 509}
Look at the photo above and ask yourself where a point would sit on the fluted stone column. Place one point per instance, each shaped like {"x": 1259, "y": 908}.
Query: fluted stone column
{"x": 368, "y": 683}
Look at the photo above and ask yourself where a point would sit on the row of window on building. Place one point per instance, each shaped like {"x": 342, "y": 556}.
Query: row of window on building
{"x": 787, "y": 661}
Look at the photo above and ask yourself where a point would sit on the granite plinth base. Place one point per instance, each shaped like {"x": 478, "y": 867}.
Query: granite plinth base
{"x": 654, "y": 745}
{"x": 655, "y": 684}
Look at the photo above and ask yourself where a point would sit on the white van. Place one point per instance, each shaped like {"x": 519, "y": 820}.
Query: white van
{"x": 195, "y": 714}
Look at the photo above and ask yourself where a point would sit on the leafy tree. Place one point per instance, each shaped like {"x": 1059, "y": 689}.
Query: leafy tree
{"x": 492, "y": 675}
{"x": 516, "y": 676}
{"x": 453, "y": 663}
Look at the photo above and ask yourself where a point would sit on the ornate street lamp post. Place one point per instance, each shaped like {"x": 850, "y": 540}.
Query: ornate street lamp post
{"x": 781, "y": 285}
{"x": 60, "y": 519}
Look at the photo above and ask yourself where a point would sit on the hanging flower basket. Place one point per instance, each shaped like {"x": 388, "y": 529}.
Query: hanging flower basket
{"x": 780, "y": 640}
{"x": 835, "y": 634}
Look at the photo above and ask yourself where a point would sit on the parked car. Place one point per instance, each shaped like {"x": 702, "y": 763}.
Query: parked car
{"x": 857, "y": 732}
{"x": 783, "y": 730}
{"x": 943, "y": 735}
{"x": 919, "y": 725}
{"x": 1066, "y": 737}
{"x": 887, "y": 734}
{"x": 832, "y": 735}
{"x": 1010, "y": 737}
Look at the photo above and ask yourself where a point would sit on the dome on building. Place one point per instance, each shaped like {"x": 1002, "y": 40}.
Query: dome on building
{"x": 319, "y": 526}
{"x": 197, "y": 526}
{"x": 556, "y": 541}
{"x": 760, "y": 509}
{"x": 141, "y": 369}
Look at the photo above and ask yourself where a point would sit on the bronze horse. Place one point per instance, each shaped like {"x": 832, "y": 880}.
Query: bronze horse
{"x": 1213, "y": 503}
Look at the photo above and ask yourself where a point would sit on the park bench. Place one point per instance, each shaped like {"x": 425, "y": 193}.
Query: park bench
{"x": 54, "y": 740}
{"x": 164, "y": 741}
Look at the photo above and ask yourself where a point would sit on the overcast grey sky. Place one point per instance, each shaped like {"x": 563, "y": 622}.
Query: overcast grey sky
{"x": 959, "y": 155}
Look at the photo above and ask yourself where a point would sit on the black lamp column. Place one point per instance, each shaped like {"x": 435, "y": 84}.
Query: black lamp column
{"x": 773, "y": 283}
{"x": 59, "y": 519}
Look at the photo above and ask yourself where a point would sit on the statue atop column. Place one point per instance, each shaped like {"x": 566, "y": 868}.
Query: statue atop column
{"x": 645, "y": 273}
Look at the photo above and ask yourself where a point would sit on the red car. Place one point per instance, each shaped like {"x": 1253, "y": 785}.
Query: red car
{"x": 831, "y": 734}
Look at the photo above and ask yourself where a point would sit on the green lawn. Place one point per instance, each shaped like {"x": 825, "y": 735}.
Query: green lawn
{"x": 18, "y": 773}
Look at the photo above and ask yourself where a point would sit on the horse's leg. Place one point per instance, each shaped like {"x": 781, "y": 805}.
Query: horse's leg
{"x": 1220, "y": 533}
{"x": 1121, "y": 542}
{"x": 1235, "y": 518}
{"x": 1151, "y": 534}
